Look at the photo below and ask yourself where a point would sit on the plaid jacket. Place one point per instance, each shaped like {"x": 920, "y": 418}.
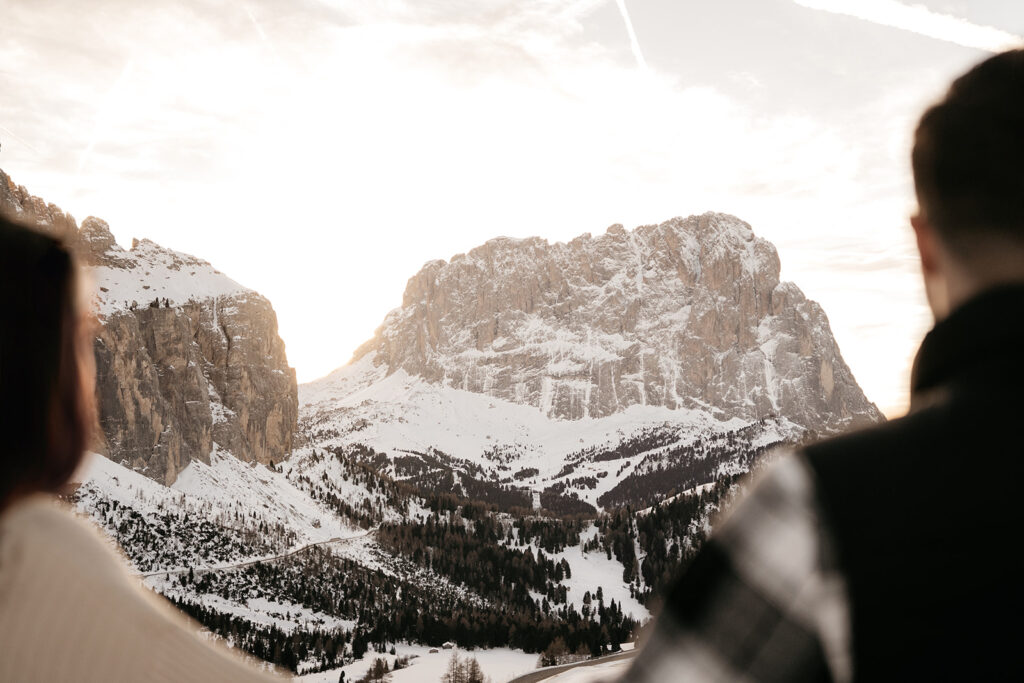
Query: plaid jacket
{"x": 763, "y": 601}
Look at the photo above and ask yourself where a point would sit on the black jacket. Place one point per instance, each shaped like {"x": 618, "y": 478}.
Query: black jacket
{"x": 927, "y": 511}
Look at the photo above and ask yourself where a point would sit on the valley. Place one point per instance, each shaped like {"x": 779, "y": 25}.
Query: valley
{"x": 516, "y": 464}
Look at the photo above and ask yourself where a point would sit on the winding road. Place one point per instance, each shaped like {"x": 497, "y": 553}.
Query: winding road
{"x": 550, "y": 671}
{"x": 247, "y": 563}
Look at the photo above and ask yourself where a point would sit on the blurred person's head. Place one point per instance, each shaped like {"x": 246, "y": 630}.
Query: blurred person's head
{"x": 968, "y": 162}
{"x": 47, "y": 375}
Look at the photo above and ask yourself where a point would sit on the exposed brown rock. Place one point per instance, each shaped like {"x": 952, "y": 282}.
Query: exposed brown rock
{"x": 176, "y": 378}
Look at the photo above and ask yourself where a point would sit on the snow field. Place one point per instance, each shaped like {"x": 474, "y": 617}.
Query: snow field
{"x": 500, "y": 665}
{"x": 590, "y": 570}
{"x": 399, "y": 413}
{"x": 151, "y": 271}
{"x": 256, "y": 487}
{"x": 218, "y": 489}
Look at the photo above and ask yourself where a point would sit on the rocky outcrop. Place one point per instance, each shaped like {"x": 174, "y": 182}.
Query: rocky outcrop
{"x": 686, "y": 314}
{"x": 187, "y": 359}
{"x": 172, "y": 381}
{"x": 18, "y": 202}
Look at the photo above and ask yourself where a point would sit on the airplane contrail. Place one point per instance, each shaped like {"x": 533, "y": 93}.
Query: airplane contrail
{"x": 921, "y": 20}
{"x": 263, "y": 35}
{"x": 634, "y": 44}
{"x": 19, "y": 138}
{"x": 259, "y": 29}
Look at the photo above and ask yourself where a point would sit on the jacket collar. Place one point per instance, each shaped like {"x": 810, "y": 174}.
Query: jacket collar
{"x": 986, "y": 330}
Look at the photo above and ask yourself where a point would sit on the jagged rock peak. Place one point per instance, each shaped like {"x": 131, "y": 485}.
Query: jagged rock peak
{"x": 17, "y": 201}
{"x": 96, "y": 244}
{"x": 96, "y": 232}
{"x": 689, "y": 313}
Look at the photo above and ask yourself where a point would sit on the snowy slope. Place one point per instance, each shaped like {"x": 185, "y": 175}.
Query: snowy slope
{"x": 149, "y": 271}
{"x": 228, "y": 482}
{"x": 227, "y": 520}
{"x": 592, "y": 570}
{"x": 228, "y": 493}
{"x": 402, "y": 415}
{"x": 499, "y": 665}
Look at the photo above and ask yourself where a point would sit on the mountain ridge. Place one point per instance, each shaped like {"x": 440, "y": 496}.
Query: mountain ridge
{"x": 585, "y": 327}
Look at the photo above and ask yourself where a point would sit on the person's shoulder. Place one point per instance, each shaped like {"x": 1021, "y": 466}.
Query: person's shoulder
{"x": 61, "y": 574}
{"x": 902, "y": 435}
{"x": 44, "y": 531}
{"x": 884, "y": 463}
{"x": 780, "y": 501}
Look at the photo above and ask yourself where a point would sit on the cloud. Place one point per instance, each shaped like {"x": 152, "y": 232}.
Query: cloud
{"x": 919, "y": 19}
{"x": 111, "y": 102}
{"x": 374, "y": 136}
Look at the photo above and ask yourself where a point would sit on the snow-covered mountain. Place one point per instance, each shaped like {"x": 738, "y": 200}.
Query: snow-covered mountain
{"x": 188, "y": 360}
{"x": 606, "y": 370}
{"x": 686, "y": 314}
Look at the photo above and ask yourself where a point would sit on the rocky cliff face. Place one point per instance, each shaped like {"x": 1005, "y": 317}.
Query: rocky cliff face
{"x": 173, "y": 381}
{"x": 187, "y": 359}
{"x": 686, "y": 314}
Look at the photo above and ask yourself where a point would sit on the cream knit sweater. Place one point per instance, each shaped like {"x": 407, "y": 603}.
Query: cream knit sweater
{"x": 71, "y": 611}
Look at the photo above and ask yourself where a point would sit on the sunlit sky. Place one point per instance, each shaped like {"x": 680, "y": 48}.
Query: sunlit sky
{"x": 321, "y": 151}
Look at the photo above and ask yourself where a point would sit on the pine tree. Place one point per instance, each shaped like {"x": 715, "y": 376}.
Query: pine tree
{"x": 379, "y": 671}
{"x": 473, "y": 672}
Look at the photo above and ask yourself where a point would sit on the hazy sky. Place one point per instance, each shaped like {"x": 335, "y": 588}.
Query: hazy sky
{"x": 322, "y": 151}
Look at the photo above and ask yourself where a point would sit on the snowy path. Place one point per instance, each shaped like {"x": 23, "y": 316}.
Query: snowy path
{"x": 247, "y": 563}
{"x": 550, "y": 671}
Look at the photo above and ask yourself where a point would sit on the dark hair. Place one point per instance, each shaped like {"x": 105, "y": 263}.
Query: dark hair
{"x": 968, "y": 152}
{"x": 47, "y": 404}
